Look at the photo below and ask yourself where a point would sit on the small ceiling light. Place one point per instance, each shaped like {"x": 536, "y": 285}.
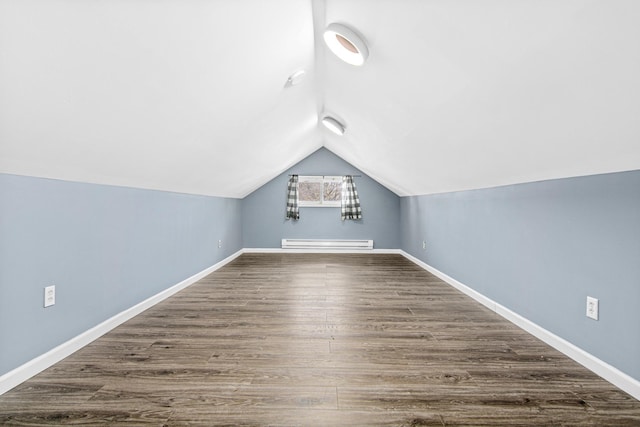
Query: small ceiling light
{"x": 295, "y": 78}
{"x": 333, "y": 125}
{"x": 346, "y": 44}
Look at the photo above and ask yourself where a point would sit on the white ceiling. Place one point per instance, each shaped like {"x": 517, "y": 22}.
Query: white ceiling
{"x": 189, "y": 96}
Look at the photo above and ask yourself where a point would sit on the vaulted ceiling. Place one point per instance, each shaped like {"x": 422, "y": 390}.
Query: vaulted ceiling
{"x": 190, "y": 95}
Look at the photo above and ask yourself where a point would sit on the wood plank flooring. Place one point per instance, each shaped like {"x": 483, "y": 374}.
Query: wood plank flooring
{"x": 318, "y": 340}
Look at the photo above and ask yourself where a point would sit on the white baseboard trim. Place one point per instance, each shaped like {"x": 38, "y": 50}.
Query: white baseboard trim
{"x": 53, "y": 356}
{"x": 321, "y": 251}
{"x": 589, "y": 361}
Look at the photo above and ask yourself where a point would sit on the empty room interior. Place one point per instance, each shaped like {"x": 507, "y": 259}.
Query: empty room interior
{"x": 320, "y": 212}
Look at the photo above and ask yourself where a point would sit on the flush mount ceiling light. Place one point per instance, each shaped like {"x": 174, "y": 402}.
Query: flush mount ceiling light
{"x": 295, "y": 78}
{"x": 346, "y": 44}
{"x": 333, "y": 125}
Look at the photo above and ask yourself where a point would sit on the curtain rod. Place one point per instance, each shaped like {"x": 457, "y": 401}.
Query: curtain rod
{"x": 355, "y": 176}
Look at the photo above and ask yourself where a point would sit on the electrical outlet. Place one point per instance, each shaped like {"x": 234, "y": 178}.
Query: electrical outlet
{"x": 49, "y": 295}
{"x": 592, "y": 308}
{"x": 424, "y": 244}
{"x": 219, "y": 243}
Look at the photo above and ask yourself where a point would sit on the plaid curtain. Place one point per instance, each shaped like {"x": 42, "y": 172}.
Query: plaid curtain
{"x": 350, "y": 200}
{"x": 292, "y": 198}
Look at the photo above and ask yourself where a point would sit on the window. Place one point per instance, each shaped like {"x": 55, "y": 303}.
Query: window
{"x": 320, "y": 191}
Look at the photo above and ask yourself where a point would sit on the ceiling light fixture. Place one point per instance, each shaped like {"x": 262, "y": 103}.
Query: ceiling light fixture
{"x": 295, "y": 78}
{"x": 333, "y": 125}
{"x": 346, "y": 44}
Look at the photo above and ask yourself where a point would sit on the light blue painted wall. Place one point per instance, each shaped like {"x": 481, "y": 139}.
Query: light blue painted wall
{"x": 263, "y": 211}
{"x": 105, "y": 248}
{"x": 540, "y": 249}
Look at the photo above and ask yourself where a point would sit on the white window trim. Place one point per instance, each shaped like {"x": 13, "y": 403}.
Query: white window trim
{"x": 321, "y": 179}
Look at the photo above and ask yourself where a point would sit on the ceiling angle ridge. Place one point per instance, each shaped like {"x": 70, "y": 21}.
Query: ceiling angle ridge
{"x": 318, "y": 17}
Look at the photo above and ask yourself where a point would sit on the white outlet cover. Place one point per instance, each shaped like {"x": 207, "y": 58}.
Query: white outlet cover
{"x": 592, "y": 308}
{"x": 49, "y": 295}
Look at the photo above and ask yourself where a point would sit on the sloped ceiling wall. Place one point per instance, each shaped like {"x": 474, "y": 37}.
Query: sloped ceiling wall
{"x": 467, "y": 94}
{"x": 177, "y": 95}
{"x": 189, "y": 96}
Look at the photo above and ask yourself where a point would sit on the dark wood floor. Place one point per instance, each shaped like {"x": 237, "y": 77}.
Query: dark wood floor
{"x": 328, "y": 340}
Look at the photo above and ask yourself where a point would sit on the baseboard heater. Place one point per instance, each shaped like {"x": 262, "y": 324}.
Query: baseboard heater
{"x": 327, "y": 244}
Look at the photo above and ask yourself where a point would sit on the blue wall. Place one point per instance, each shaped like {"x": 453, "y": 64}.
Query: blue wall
{"x": 539, "y": 249}
{"x": 105, "y": 248}
{"x": 263, "y": 211}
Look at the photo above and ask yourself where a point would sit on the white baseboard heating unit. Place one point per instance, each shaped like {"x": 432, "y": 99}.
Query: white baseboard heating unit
{"x": 326, "y": 244}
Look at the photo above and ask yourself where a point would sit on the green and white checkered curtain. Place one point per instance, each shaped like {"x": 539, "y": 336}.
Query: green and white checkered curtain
{"x": 350, "y": 200}
{"x": 292, "y": 198}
